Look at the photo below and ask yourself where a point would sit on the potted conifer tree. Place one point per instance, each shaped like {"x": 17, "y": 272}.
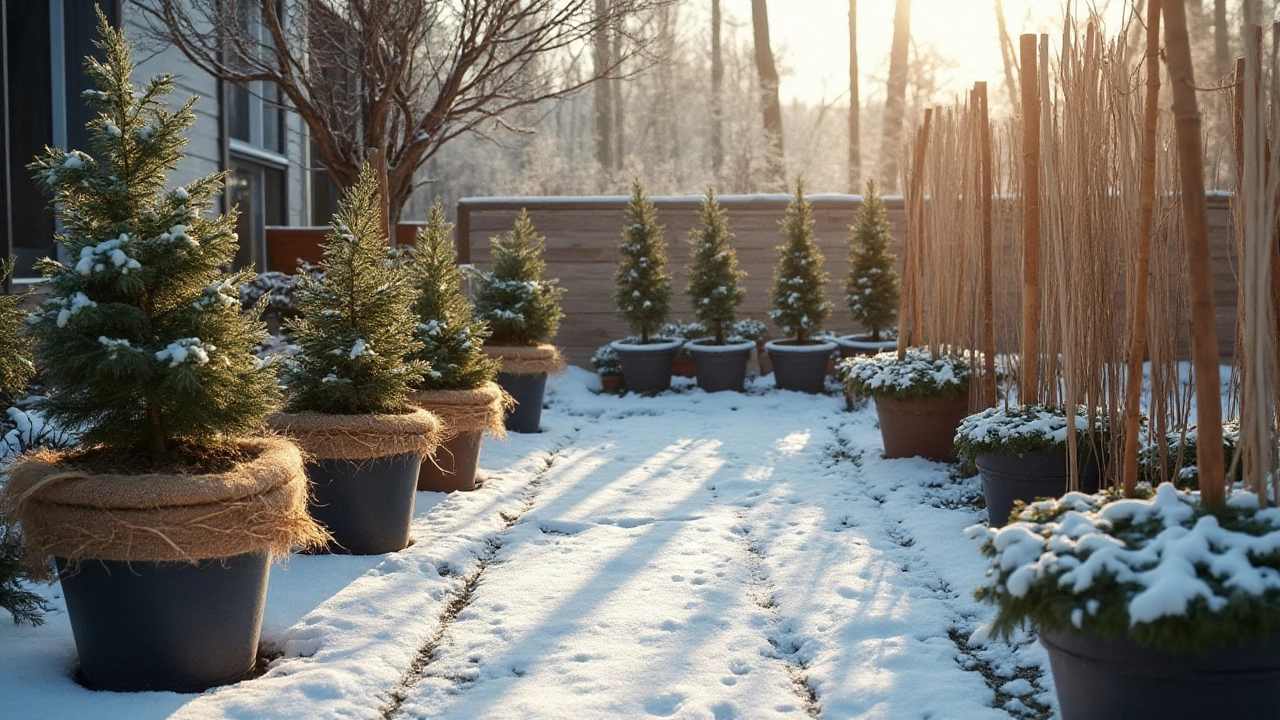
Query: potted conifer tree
{"x": 799, "y": 304}
{"x": 720, "y": 360}
{"x": 458, "y": 387}
{"x": 174, "y": 502}
{"x": 523, "y": 313}
{"x": 643, "y": 297}
{"x": 349, "y": 385}
{"x": 871, "y": 289}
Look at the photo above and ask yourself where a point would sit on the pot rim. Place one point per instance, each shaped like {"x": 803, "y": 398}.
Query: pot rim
{"x": 775, "y": 346}
{"x": 664, "y": 344}
{"x": 696, "y": 346}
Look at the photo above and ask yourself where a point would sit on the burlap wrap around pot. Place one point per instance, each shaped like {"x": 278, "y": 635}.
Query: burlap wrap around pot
{"x": 461, "y": 411}
{"x": 526, "y": 360}
{"x": 360, "y": 437}
{"x": 260, "y": 505}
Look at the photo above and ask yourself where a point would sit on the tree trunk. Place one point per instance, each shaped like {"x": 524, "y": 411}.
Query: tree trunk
{"x": 895, "y": 97}
{"x": 717, "y": 100}
{"x": 1010, "y": 65}
{"x": 1221, "y": 51}
{"x": 619, "y": 125}
{"x": 1029, "y": 373}
{"x": 769, "y": 102}
{"x": 855, "y": 120}
{"x": 1204, "y": 338}
{"x": 603, "y": 91}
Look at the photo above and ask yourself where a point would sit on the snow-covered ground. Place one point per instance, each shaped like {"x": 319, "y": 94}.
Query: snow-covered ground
{"x": 689, "y": 555}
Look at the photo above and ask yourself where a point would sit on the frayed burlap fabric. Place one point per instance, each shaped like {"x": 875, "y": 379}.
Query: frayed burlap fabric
{"x": 530, "y": 360}
{"x": 258, "y": 506}
{"x": 360, "y": 437}
{"x": 462, "y": 411}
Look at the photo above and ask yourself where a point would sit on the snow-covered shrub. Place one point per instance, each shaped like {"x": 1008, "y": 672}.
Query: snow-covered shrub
{"x": 714, "y": 278}
{"x": 1165, "y": 571}
{"x": 642, "y": 286}
{"x": 1027, "y": 428}
{"x": 520, "y": 307}
{"x": 278, "y": 288}
{"x": 1182, "y": 448}
{"x": 799, "y": 284}
{"x": 749, "y": 329}
{"x": 918, "y": 375}
{"x": 605, "y": 361}
{"x": 871, "y": 290}
{"x": 683, "y": 331}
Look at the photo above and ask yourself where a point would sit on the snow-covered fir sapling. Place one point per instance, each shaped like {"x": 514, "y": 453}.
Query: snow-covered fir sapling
{"x": 141, "y": 342}
{"x": 713, "y": 273}
{"x": 871, "y": 289}
{"x": 643, "y": 287}
{"x": 357, "y": 333}
{"x": 451, "y": 337}
{"x": 520, "y": 307}
{"x": 798, "y": 293}
{"x": 605, "y": 361}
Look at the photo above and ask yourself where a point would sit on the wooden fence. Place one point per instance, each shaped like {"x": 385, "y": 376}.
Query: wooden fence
{"x": 583, "y": 234}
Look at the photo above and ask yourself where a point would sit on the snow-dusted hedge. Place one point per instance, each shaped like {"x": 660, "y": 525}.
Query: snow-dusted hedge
{"x": 918, "y": 375}
{"x": 1162, "y": 571}
{"x": 1027, "y": 428}
{"x": 1188, "y": 477}
{"x": 606, "y": 361}
{"x": 752, "y": 330}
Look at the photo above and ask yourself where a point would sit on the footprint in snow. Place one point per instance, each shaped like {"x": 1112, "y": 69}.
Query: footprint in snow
{"x": 664, "y": 705}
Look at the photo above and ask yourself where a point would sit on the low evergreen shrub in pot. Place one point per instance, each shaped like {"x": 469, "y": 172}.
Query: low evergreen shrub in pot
{"x": 523, "y": 313}
{"x": 682, "y": 365}
{"x": 720, "y": 359}
{"x": 643, "y": 296}
{"x": 1149, "y": 608}
{"x": 799, "y": 304}
{"x": 458, "y": 387}
{"x": 920, "y": 399}
{"x": 605, "y": 361}
{"x": 165, "y": 517}
{"x": 871, "y": 290}
{"x": 349, "y": 385}
{"x": 1021, "y": 453}
{"x": 757, "y": 332}
{"x": 1177, "y": 461}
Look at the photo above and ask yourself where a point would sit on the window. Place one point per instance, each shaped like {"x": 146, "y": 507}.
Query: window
{"x": 253, "y": 109}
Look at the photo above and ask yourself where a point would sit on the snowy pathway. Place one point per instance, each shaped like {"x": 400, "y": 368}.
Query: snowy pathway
{"x": 690, "y": 555}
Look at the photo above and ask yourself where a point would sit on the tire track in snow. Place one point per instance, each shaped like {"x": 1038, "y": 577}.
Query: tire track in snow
{"x": 462, "y": 597}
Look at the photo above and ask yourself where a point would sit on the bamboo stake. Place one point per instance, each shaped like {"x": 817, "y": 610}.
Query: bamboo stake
{"x": 910, "y": 309}
{"x": 1030, "y": 370}
{"x": 1147, "y": 201}
{"x": 1204, "y": 342}
{"x": 988, "y": 259}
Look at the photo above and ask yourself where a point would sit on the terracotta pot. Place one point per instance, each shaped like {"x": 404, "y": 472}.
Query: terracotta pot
{"x": 452, "y": 468}
{"x": 528, "y": 392}
{"x": 1119, "y": 680}
{"x": 924, "y": 427}
{"x": 1009, "y": 478}
{"x": 647, "y": 368}
{"x": 800, "y": 367}
{"x": 720, "y": 367}
{"x": 612, "y": 384}
{"x": 181, "y": 627}
{"x": 683, "y": 366}
{"x": 366, "y": 505}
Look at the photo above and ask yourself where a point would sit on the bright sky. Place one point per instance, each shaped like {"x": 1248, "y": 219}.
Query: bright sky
{"x": 811, "y": 39}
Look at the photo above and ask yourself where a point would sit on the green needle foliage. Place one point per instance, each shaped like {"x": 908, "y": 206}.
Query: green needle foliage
{"x": 714, "y": 274}
{"x": 872, "y": 287}
{"x": 356, "y": 336}
{"x": 16, "y": 368}
{"x": 643, "y": 293}
{"x": 452, "y": 339}
{"x": 142, "y": 342}
{"x": 798, "y": 294}
{"x": 520, "y": 307}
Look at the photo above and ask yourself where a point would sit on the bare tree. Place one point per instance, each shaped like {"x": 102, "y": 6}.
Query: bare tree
{"x": 393, "y": 81}
{"x": 769, "y": 102}
{"x": 717, "y": 100}
{"x": 895, "y": 97}
{"x": 603, "y": 91}
{"x": 1221, "y": 51}
{"x": 855, "y": 111}
{"x": 1007, "y": 55}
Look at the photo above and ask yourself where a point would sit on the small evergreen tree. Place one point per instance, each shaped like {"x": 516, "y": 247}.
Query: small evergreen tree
{"x": 713, "y": 273}
{"x": 872, "y": 287}
{"x": 356, "y": 334}
{"x": 16, "y": 368}
{"x": 798, "y": 294}
{"x": 142, "y": 341}
{"x": 519, "y": 306}
{"x": 451, "y": 338}
{"x": 643, "y": 293}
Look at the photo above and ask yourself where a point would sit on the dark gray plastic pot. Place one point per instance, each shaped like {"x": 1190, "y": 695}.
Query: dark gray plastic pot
{"x": 180, "y": 627}
{"x": 527, "y": 391}
{"x": 720, "y": 367}
{"x": 861, "y": 345}
{"x": 366, "y": 505}
{"x": 1101, "y": 680}
{"x": 802, "y": 368}
{"x": 647, "y": 368}
{"x": 452, "y": 467}
{"x": 1009, "y": 478}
